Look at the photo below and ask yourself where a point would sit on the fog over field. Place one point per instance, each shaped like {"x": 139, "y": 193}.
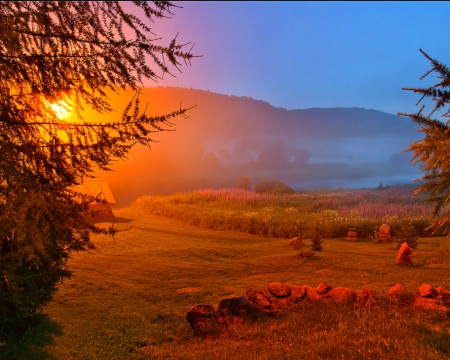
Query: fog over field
{"x": 227, "y": 137}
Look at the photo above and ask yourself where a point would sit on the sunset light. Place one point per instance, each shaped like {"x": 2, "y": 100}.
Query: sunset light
{"x": 61, "y": 109}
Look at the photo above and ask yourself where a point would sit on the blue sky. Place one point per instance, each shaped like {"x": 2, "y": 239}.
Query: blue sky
{"x": 300, "y": 55}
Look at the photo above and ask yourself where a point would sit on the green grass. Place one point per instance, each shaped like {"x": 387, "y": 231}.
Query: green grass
{"x": 128, "y": 299}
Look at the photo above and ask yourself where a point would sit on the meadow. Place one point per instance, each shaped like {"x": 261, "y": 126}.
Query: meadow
{"x": 128, "y": 299}
{"x": 278, "y": 216}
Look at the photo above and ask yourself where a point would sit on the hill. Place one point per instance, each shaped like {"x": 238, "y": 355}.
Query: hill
{"x": 227, "y": 137}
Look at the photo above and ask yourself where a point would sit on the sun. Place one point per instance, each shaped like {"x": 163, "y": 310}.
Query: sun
{"x": 60, "y": 109}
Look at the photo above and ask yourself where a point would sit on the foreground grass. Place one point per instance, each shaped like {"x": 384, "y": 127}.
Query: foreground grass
{"x": 128, "y": 300}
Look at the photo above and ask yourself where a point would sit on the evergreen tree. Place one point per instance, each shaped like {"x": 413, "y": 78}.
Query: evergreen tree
{"x": 433, "y": 151}
{"x": 407, "y": 233}
{"x": 316, "y": 240}
{"x": 71, "y": 52}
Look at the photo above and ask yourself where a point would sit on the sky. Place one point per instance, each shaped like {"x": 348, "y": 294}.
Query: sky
{"x": 298, "y": 55}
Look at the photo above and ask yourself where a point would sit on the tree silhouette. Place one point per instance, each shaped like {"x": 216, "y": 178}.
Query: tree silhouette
{"x": 71, "y": 53}
{"x": 433, "y": 151}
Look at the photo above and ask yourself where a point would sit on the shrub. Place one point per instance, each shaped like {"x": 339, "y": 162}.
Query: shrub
{"x": 408, "y": 234}
{"x": 273, "y": 187}
{"x": 316, "y": 240}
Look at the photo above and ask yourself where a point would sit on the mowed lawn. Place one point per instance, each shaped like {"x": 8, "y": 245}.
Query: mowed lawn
{"x": 129, "y": 299}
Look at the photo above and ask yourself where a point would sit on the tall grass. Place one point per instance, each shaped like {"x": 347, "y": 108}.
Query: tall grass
{"x": 284, "y": 216}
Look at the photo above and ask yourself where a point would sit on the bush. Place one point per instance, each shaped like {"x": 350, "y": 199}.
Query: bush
{"x": 243, "y": 183}
{"x": 408, "y": 234}
{"x": 273, "y": 187}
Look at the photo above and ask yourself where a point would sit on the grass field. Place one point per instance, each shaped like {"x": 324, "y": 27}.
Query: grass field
{"x": 128, "y": 299}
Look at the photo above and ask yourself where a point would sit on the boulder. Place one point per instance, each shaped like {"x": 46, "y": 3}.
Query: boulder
{"x": 427, "y": 291}
{"x": 367, "y": 296}
{"x": 341, "y": 295}
{"x": 430, "y": 304}
{"x": 295, "y": 241}
{"x": 397, "y": 290}
{"x": 279, "y": 289}
{"x": 297, "y": 293}
{"x": 229, "y": 307}
{"x": 351, "y": 235}
{"x": 323, "y": 288}
{"x": 200, "y": 315}
{"x": 404, "y": 256}
{"x": 443, "y": 293}
{"x": 311, "y": 294}
{"x": 384, "y": 234}
{"x": 281, "y": 303}
{"x": 257, "y": 299}
{"x": 243, "y": 301}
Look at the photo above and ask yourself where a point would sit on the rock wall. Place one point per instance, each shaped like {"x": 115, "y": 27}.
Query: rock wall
{"x": 279, "y": 296}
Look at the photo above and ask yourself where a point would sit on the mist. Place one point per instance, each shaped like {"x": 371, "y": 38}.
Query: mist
{"x": 227, "y": 137}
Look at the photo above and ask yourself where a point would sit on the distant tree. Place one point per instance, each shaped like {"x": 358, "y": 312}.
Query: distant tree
{"x": 274, "y": 156}
{"x": 301, "y": 156}
{"x": 433, "y": 151}
{"x": 68, "y": 52}
{"x": 273, "y": 187}
{"x": 243, "y": 183}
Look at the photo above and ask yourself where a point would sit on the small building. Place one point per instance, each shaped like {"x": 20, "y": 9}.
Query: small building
{"x": 98, "y": 188}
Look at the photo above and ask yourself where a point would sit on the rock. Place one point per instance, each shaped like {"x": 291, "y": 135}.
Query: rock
{"x": 430, "y": 304}
{"x": 200, "y": 315}
{"x": 281, "y": 303}
{"x": 427, "y": 291}
{"x": 279, "y": 289}
{"x": 351, "y": 235}
{"x": 443, "y": 293}
{"x": 257, "y": 299}
{"x": 312, "y": 294}
{"x": 229, "y": 307}
{"x": 295, "y": 241}
{"x": 323, "y": 288}
{"x": 384, "y": 234}
{"x": 268, "y": 295}
{"x": 404, "y": 256}
{"x": 367, "y": 296}
{"x": 341, "y": 295}
{"x": 243, "y": 301}
{"x": 297, "y": 293}
{"x": 397, "y": 290}
{"x": 368, "y": 293}
{"x": 385, "y": 229}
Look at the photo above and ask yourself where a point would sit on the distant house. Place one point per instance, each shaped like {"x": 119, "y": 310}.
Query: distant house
{"x": 98, "y": 188}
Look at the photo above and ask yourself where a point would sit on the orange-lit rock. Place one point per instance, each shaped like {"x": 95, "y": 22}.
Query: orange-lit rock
{"x": 297, "y": 293}
{"x": 279, "y": 289}
{"x": 323, "y": 288}
{"x": 341, "y": 295}
{"x": 200, "y": 316}
{"x": 351, "y": 235}
{"x": 397, "y": 290}
{"x": 443, "y": 293}
{"x": 256, "y": 298}
{"x": 404, "y": 256}
{"x": 311, "y": 294}
{"x": 427, "y": 291}
{"x": 295, "y": 241}
{"x": 384, "y": 234}
{"x": 430, "y": 304}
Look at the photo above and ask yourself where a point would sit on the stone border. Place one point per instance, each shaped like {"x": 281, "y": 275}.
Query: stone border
{"x": 280, "y": 296}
